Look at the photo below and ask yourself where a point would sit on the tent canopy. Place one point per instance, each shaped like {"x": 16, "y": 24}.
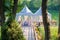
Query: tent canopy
{"x": 25, "y": 11}
{"x": 39, "y": 12}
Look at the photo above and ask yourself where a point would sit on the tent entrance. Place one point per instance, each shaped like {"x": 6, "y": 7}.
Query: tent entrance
{"x": 25, "y": 20}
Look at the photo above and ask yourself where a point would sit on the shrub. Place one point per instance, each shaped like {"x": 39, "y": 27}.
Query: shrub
{"x": 14, "y": 31}
{"x": 53, "y": 34}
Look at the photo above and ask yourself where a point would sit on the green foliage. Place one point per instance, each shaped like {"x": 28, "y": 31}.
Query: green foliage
{"x": 54, "y": 14}
{"x": 33, "y": 5}
{"x": 14, "y": 32}
{"x": 53, "y": 31}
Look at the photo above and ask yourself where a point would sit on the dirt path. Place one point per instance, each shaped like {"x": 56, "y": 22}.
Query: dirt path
{"x": 28, "y": 33}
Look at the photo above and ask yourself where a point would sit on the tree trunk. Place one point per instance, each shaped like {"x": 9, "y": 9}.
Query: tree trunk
{"x": 2, "y": 17}
{"x": 59, "y": 27}
{"x": 45, "y": 22}
{"x": 14, "y": 9}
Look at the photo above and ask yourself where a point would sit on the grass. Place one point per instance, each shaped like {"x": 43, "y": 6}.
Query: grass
{"x": 53, "y": 32}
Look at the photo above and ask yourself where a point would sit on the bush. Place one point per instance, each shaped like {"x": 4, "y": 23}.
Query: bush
{"x": 53, "y": 34}
{"x": 14, "y": 31}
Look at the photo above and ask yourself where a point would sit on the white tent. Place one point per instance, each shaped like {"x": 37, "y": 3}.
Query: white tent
{"x": 39, "y": 13}
{"x": 29, "y": 18}
{"x": 24, "y": 16}
{"x": 24, "y": 12}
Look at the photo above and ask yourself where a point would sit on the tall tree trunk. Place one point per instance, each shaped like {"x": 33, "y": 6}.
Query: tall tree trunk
{"x": 45, "y": 21}
{"x": 59, "y": 27}
{"x": 14, "y": 9}
{"x": 2, "y": 17}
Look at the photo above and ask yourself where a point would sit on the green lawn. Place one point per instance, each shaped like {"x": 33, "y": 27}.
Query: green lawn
{"x": 53, "y": 31}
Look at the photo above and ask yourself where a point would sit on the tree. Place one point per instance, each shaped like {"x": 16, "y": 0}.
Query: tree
{"x": 13, "y": 12}
{"x": 14, "y": 29}
{"x": 45, "y": 21}
{"x": 59, "y": 23}
{"x": 14, "y": 9}
{"x": 59, "y": 27}
{"x": 2, "y": 18}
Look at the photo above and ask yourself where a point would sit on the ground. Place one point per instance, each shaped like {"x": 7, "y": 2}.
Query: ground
{"x": 28, "y": 33}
